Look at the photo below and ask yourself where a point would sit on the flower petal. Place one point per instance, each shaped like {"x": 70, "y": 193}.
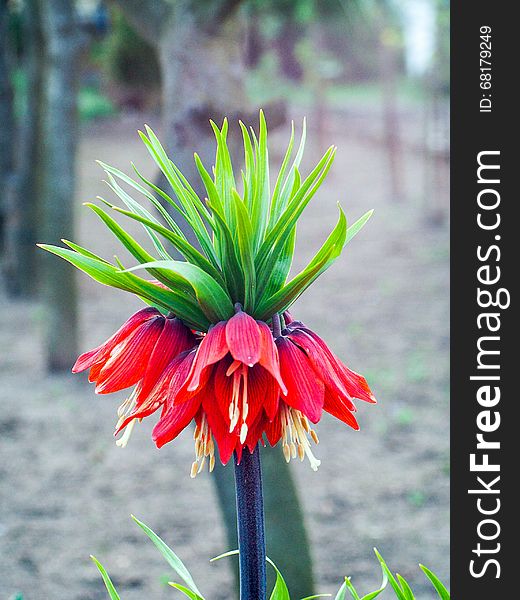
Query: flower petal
{"x": 102, "y": 352}
{"x": 263, "y": 392}
{"x": 333, "y": 404}
{"x": 174, "y": 339}
{"x": 128, "y": 360}
{"x": 305, "y": 392}
{"x": 244, "y": 339}
{"x": 226, "y": 442}
{"x": 355, "y": 385}
{"x": 175, "y": 419}
{"x": 329, "y": 372}
{"x": 273, "y": 429}
{"x": 212, "y": 349}
{"x": 165, "y": 391}
{"x": 269, "y": 355}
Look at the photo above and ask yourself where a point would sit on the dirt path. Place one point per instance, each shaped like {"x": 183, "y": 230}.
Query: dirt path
{"x": 67, "y": 491}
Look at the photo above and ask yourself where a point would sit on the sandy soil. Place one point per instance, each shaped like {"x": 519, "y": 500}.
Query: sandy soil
{"x": 67, "y": 491}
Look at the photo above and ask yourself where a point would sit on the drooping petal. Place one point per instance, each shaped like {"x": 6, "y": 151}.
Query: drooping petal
{"x": 88, "y": 359}
{"x": 128, "y": 360}
{"x": 244, "y": 339}
{"x": 333, "y": 405}
{"x": 176, "y": 418}
{"x": 212, "y": 349}
{"x": 269, "y": 355}
{"x": 354, "y": 384}
{"x": 223, "y": 386}
{"x": 226, "y": 441}
{"x": 255, "y": 432}
{"x": 273, "y": 429}
{"x": 359, "y": 385}
{"x": 325, "y": 369}
{"x": 174, "y": 339}
{"x": 165, "y": 391}
{"x": 263, "y": 392}
{"x": 305, "y": 392}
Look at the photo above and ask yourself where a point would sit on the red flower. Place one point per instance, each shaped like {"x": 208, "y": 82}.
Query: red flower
{"x": 232, "y": 385}
{"x": 237, "y": 383}
{"x": 316, "y": 380}
{"x": 136, "y": 354}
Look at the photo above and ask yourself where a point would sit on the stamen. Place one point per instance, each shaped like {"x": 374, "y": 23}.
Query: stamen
{"x": 295, "y": 436}
{"x": 204, "y": 448}
{"x": 123, "y": 440}
{"x": 243, "y": 433}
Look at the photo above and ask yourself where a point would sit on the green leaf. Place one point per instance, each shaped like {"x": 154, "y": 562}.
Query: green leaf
{"x": 393, "y": 582}
{"x": 280, "y": 591}
{"x": 231, "y": 267}
{"x": 276, "y": 207}
{"x": 327, "y": 254}
{"x": 317, "y": 596}
{"x": 272, "y": 276}
{"x": 296, "y": 206}
{"x": 191, "y": 208}
{"x": 224, "y": 555}
{"x": 186, "y": 591}
{"x": 246, "y": 250}
{"x": 138, "y": 251}
{"x": 136, "y": 208}
{"x": 437, "y": 584}
{"x": 83, "y": 251}
{"x": 224, "y": 178}
{"x": 171, "y": 558}
{"x": 108, "y": 582}
{"x": 212, "y": 298}
{"x": 107, "y": 274}
{"x": 189, "y": 252}
{"x": 342, "y": 592}
{"x": 357, "y": 226}
{"x": 407, "y": 590}
{"x": 291, "y": 184}
{"x": 260, "y": 200}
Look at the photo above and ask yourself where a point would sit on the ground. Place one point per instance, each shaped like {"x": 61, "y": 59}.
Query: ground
{"x": 67, "y": 491}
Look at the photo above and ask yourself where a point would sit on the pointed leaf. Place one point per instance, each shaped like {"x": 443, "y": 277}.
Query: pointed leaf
{"x": 138, "y": 251}
{"x": 171, "y": 558}
{"x": 327, "y": 254}
{"x": 212, "y": 298}
{"x": 190, "y": 253}
{"x": 393, "y": 582}
{"x": 437, "y": 584}
{"x": 357, "y": 226}
{"x": 186, "y": 591}
{"x": 106, "y": 579}
{"x": 107, "y": 274}
{"x": 280, "y": 591}
{"x": 407, "y": 590}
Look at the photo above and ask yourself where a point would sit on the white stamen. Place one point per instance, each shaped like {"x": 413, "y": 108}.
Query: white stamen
{"x": 295, "y": 436}
{"x": 243, "y": 433}
{"x": 204, "y": 448}
{"x": 123, "y": 440}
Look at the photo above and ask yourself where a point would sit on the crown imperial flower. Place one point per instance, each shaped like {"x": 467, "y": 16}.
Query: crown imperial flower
{"x": 216, "y": 344}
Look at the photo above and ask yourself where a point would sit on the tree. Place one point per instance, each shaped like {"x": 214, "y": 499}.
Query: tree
{"x": 21, "y": 226}
{"x": 61, "y": 43}
{"x": 6, "y": 114}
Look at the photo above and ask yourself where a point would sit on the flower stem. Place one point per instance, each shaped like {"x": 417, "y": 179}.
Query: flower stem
{"x": 277, "y": 326}
{"x": 250, "y": 519}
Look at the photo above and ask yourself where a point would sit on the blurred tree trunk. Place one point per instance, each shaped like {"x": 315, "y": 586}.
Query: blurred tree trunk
{"x": 201, "y": 51}
{"x": 62, "y": 39}
{"x": 22, "y": 214}
{"x": 7, "y": 117}
{"x": 388, "y": 74}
